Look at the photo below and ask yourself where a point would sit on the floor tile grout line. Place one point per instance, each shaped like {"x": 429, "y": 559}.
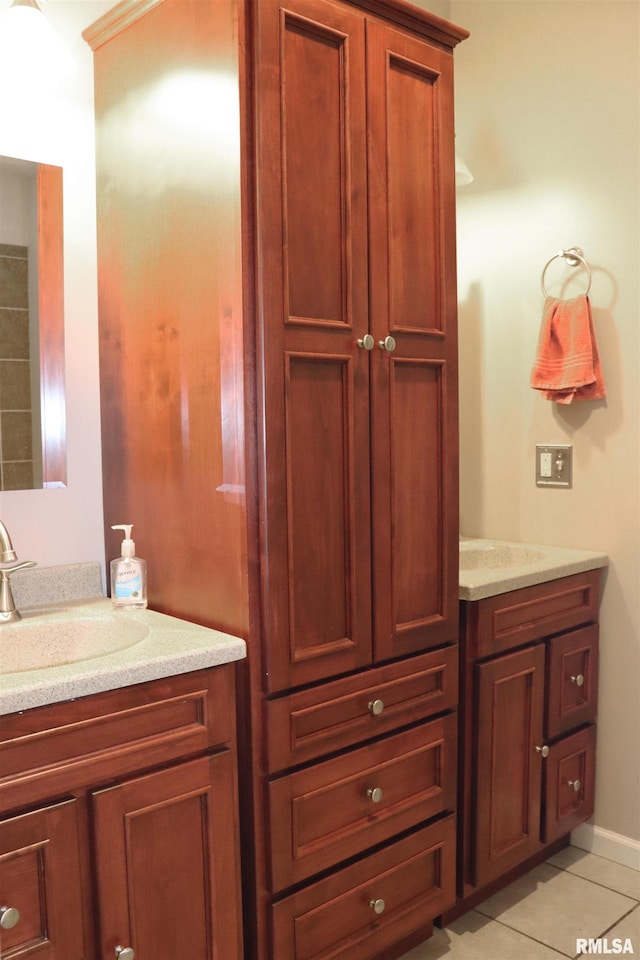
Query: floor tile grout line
{"x": 596, "y": 883}
{"x": 604, "y": 933}
{"x": 619, "y": 920}
{"x": 547, "y": 946}
{"x": 598, "y": 857}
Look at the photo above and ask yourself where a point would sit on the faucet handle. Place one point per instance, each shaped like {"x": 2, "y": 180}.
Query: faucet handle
{"x": 5, "y": 571}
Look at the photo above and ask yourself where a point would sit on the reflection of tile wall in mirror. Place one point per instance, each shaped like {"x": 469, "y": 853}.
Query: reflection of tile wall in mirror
{"x": 31, "y": 326}
{"x": 16, "y": 447}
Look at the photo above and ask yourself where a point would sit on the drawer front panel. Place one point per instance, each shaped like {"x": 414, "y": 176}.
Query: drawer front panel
{"x": 309, "y": 724}
{"x": 40, "y": 877}
{"x": 572, "y": 680}
{"x": 410, "y": 882}
{"x": 569, "y": 783}
{"x": 336, "y": 809}
{"x": 55, "y": 749}
{"x": 521, "y": 616}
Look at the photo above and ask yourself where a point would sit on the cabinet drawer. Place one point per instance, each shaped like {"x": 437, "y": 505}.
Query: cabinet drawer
{"x": 411, "y": 882}
{"x": 522, "y": 616}
{"x": 569, "y": 783}
{"x": 311, "y": 723}
{"x": 572, "y": 680}
{"x": 53, "y": 750}
{"x": 333, "y": 810}
{"x": 40, "y": 877}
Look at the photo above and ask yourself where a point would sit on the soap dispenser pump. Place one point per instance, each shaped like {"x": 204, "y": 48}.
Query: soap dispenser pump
{"x": 128, "y": 575}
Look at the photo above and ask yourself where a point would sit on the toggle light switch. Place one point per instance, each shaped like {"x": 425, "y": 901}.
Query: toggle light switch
{"x": 554, "y": 465}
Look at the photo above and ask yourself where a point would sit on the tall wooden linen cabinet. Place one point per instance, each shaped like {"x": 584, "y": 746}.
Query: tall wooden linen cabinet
{"x": 279, "y": 401}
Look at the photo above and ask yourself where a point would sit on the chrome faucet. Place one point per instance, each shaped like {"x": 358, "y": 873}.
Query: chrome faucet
{"x": 8, "y": 553}
{"x": 8, "y": 612}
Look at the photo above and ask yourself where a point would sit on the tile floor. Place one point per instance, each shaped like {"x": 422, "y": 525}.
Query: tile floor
{"x": 539, "y": 917}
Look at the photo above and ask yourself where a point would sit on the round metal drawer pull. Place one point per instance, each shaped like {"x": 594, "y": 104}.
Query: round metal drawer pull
{"x": 579, "y": 680}
{"x": 377, "y": 906}
{"x": 543, "y": 750}
{"x": 388, "y": 344}
{"x": 576, "y": 784}
{"x": 9, "y": 917}
{"x": 124, "y": 953}
{"x": 367, "y": 342}
{"x": 375, "y": 707}
{"x": 374, "y": 794}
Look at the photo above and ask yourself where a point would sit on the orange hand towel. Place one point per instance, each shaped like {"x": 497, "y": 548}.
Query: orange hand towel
{"x": 567, "y": 365}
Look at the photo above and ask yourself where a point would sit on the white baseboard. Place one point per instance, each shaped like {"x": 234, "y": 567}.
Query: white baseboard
{"x": 605, "y": 843}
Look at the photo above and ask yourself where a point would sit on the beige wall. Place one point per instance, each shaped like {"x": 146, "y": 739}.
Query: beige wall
{"x": 548, "y": 108}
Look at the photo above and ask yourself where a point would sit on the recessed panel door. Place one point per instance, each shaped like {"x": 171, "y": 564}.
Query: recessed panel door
{"x": 166, "y": 853}
{"x": 314, "y": 373}
{"x": 413, "y": 364}
{"x": 509, "y": 757}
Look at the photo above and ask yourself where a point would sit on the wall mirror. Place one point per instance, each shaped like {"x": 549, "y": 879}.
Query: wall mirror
{"x": 32, "y": 401}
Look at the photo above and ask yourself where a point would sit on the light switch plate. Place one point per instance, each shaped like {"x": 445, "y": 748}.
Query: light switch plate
{"x": 554, "y": 465}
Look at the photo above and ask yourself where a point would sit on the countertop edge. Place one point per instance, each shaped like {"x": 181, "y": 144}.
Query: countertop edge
{"x": 504, "y": 582}
{"x": 172, "y": 647}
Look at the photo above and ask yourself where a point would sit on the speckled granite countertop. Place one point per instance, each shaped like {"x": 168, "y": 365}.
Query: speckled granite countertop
{"x": 155, "y": 645}
{"x": 490, "y": 567}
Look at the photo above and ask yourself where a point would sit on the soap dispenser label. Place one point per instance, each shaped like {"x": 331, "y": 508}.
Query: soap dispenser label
{"x": 129, "y": 581}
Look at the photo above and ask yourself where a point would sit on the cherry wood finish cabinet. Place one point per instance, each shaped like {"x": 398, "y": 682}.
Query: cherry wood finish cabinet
{"x": 119, "y": 824}
{"x": 354, "y": 148}
{"x": 529, "y": 676}
{"x": 279, "y": 387}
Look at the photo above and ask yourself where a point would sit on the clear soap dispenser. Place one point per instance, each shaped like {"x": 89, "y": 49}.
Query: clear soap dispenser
{"x": 128, "y": 575}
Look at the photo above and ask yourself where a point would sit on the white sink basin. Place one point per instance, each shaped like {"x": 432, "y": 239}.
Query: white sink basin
{"x": 497, "y": 556}
{"x": 51, "y": 643}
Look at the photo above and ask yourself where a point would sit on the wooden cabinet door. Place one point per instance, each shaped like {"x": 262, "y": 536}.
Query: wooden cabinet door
{"x": 167, "y": 863}
{"x": 414, "y": 385}
{"x": 314, "y": 388}
{"x": 40, "y": 878}
{"x": 356, "y": 211}
{"x": 510, "y": 693}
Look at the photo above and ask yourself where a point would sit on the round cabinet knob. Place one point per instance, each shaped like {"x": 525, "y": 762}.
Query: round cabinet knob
{"x": 576, "y": 784}
{"x": 375, "y": 707}
{"x": 374, "y": 794}
{"x": 388, "y": 344}
{"x": 367, "y": 342}
{"x": 544, "y": 751}
{"x": 579, "y": 680}
{"x": 124, "y": 953}
{"x": 377, "y": 906}
{"x": 9, "y": 917}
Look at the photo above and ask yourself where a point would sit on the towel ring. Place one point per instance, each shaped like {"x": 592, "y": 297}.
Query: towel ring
{"x": 573, "y": 256}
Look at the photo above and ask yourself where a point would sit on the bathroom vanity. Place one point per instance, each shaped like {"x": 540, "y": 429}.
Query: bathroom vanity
{"x": 119, "y": 809}
{"x": 528, "y": 704}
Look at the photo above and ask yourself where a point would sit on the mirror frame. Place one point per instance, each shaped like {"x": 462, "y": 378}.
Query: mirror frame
{"x": 51, "y": 320}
